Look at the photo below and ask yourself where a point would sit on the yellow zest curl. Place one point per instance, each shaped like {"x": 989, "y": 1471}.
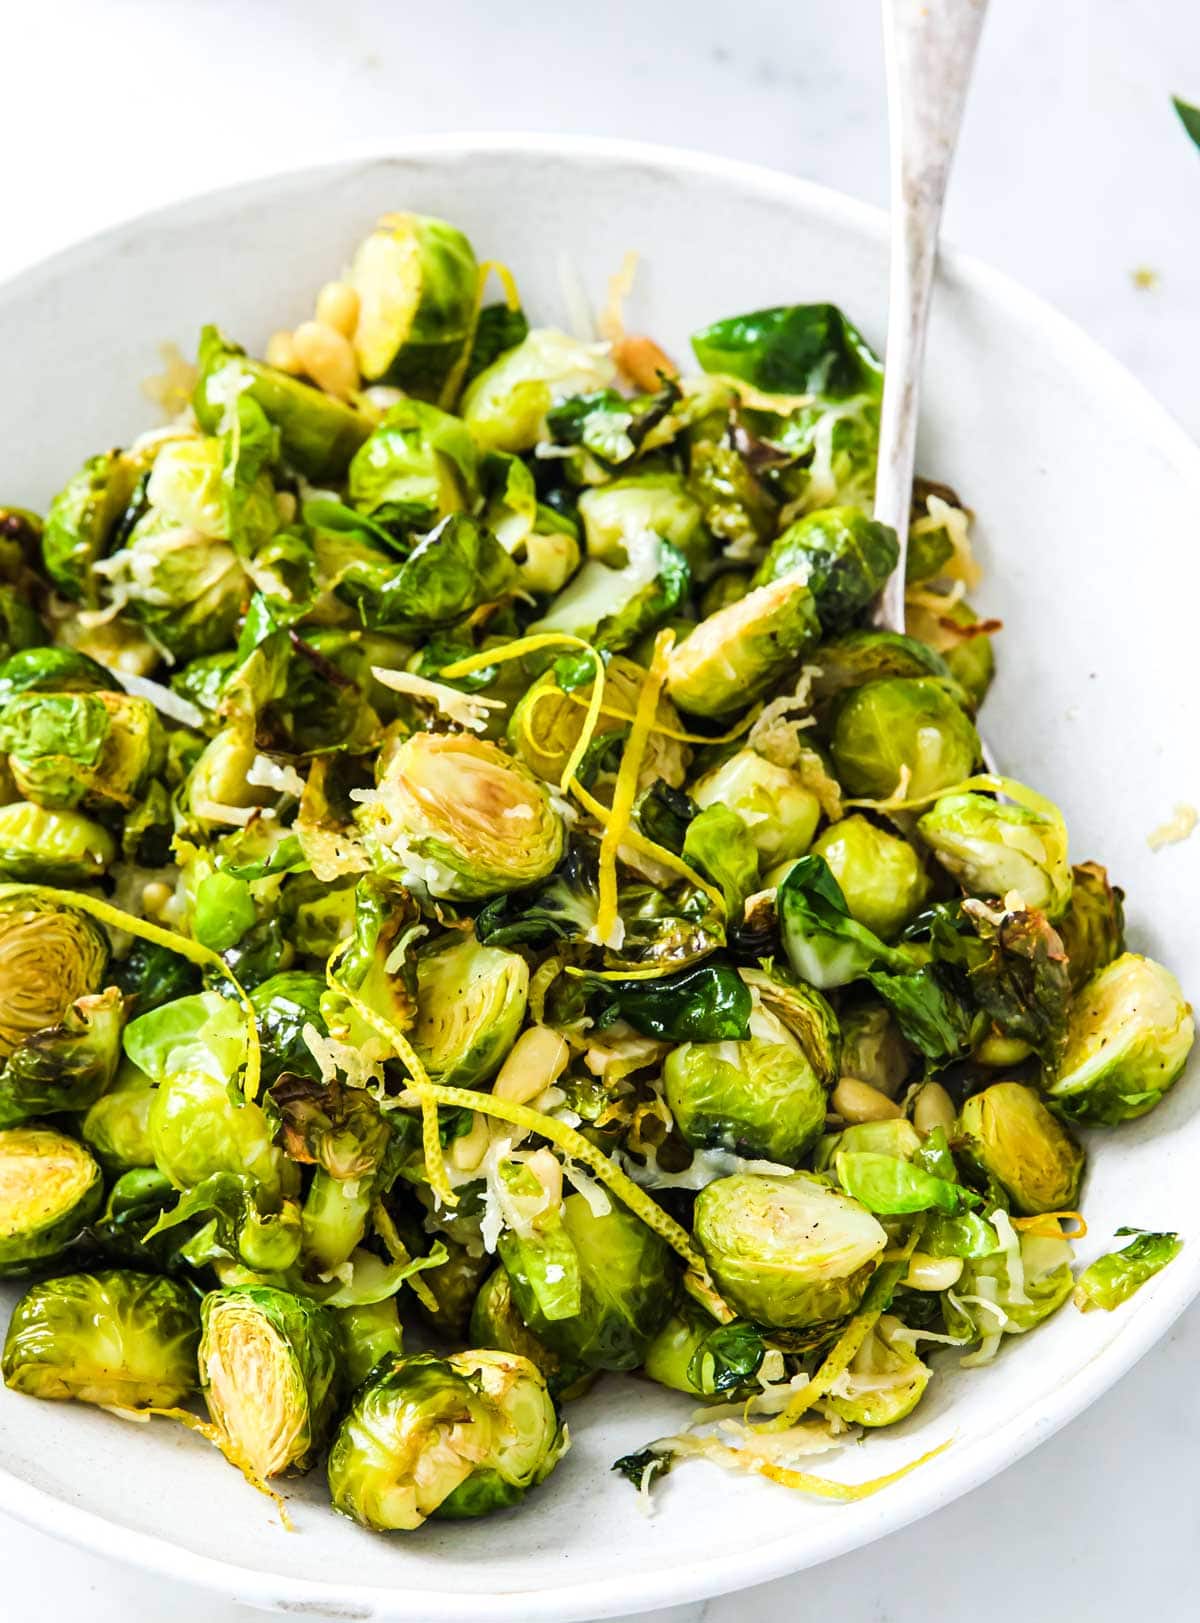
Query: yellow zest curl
{"x": 202, "y": 957}
{"x": 1046, "y": 1225}
{"x": 512, "y": 299}
{"x": 399, "y": 1252}
{"x": 677, "y": 733}
{"x": 647, "y": 848}
{"x": 821, "y": 1487}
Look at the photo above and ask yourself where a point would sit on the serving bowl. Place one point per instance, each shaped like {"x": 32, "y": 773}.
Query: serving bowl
{"x": 1086, "y": 494}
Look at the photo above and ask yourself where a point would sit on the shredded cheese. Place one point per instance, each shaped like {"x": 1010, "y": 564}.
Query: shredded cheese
{"x": 1178, "y": 827}
{"x": 466, "y": 710}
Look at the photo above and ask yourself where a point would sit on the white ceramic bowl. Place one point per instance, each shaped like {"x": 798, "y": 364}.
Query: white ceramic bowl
{"x": 1087, "y": 495}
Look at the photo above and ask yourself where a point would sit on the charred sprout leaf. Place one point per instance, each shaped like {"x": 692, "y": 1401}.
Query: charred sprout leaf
{"x": 611, "y": 605}
{"x": 707, "y": 1003}
{"x": 506, "y": 404}
{"x": 932, "y": 1011}
{"x": 1116, "y": 1276}
{"x": 152, "y": 975}
{"x": 64, "y": 1067}
{"x": 645, "y": 1468}
{"x": 1093, "y": 927}
{"x": 269, "y": 1365}
{"x": 340, "y": 1129}
{"x": 122, "y": 1340}
{"x": 563, "y": 908}
{"x": 284, "y": 1005}
{"x": 1022, "y": 982}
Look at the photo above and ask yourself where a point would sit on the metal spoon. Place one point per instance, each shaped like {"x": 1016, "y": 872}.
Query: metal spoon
{"x": 929, "y": 47}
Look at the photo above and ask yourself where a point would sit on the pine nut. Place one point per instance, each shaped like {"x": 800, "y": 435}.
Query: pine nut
{"x": 926, "y": 1273}
{"x": 281, "y": 353}
{"x": 155, "y": 897}
{"x": 547, "y": 1169}
{"x": 642, "y": 361}
{"x": 859, "y": 1101}
{"x": 337, "y": 307}
{"x": 469, "y": 1149}
{"x": 327, "y": 357}
{"x": 537, "y": 1058}
{"x": 933, "y": 1108}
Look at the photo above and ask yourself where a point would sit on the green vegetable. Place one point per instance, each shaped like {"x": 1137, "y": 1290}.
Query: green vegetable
{"x": 898, "y": 723}
{"x": 1189, "y": 117}
{"x": 416, "y": 279}
{"x": 122, "y": 1340}
{"x": 1116, "y": 1276}
{"x": 778, "y": 812}
{"x": 417, "y": 468}
{"x": 884, "y": 1381}
{"x": 505, "y": 406}
{"x": 691, "y": 1354}
{"x": 269, "y": 1366}
{"x": 741, "y": 652}
{"x": 791, "y": 349}
{"x": 49, "y": 1188}
{"x": 787, "y": 1251}
{"x": 117, "y": 1127}
{"x": 81, "y": 520}
{"x": 64, "y": 1067}
{"x": 50, "y": 956}
{"x": 993, "y": 847}
{"x": 612, "y": 605}
{"x": 888, "y": 1186}
{"x": 470, "y": 1005}
{"x": 845, "y": 558}
{"x": 495, "y": 1322}
{"x": 880, "y": 875}
{"x": 1093, "y": 927}
{"x": 1013, "y": 1138}
{"x": 89, "y": 750}
{"x": 1129, "y": 1037}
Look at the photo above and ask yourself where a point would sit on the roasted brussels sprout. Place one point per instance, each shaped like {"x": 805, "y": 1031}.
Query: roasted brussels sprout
{"x": 739, "y": 653}
{"x": 779, "y": 813}
{"x": 49, "y": 1189}
{"x": 787, "y": 1251}
{"x": 366, "y": 1334}
{"x": 612, "y": 605}
{"x": 459, "y": 1436}
{"x": 52, "y": 670}
{"x": 82, "y": 518}
{"x": 873, "y": 1047}
{"x": 89, "y": 750}
{"x": 594, "y": 1288}
{"x": 614, "y": 513}
{"x": 1116, "y": 1276}
{"x": 1023, "y": 1280}
{"x": 318, "y": 434}
{"x": 470, "y": 1005}
{"x": 844, "y": 556}
{"x": 691, "y": 1354}
{"x": 122, "y": 1340}
{"x": 461, "y": 818}
{"x": 117, "y": 1127}
{"x": 64, "y": 1067}
{"x": 760, "y": 1097}
{"x": 993, "y": 847}
{"x": 52, "y": 847}
{"x": 505, "y": 406}
{"x": 269, "y": 1365}
{"x": 50, "y": 955}
{"x": 1011, "y": 1136}
{"x": 495, "y": 1322}
{"x": 416, "y": 280}
{"x": 884, "y": 1381}
{"x": 1129, "y": 1036}
{"x": 417, "y": 467}
{"x": 897, "y": 722}
{"x": 880, "y": 874}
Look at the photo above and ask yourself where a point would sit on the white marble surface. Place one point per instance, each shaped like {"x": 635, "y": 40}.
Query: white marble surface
{"x": 1072, "y": 175}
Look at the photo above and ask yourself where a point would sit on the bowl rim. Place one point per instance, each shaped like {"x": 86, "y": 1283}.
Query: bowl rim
{"x": 961, "y": 1470}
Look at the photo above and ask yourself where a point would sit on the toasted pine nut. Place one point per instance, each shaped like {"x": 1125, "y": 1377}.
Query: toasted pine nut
{"x": 642, "y": 360}
{"x": 547, "y": 1169}
{"x": 327, "y": 357}
{"x": 926, "y": 1273}
{"x": 281, "y": 353}
{"x": 469, "y": 1149}
{"x": 859, "y": 1101}
{"x": 337, "y": 307}
{"x": 155, "y": 897}
{"x": 999, "y": 1052}
{"x": 537, "y": 1058}
{"x": 932, "y": 1108}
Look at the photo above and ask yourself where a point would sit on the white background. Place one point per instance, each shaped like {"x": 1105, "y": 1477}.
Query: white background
{"x": 1073, "y": 174}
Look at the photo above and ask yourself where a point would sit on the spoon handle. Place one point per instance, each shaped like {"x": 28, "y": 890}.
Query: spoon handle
{"x": 929, "y": 46}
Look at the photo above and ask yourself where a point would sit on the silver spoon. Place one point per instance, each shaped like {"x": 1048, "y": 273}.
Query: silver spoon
{"x": 929, "y": 47}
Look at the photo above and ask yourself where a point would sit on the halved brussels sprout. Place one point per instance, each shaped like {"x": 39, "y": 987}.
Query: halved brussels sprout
{"x": 52, "y": 847}
{"x": 505, "y": 406}
{"x": 471, "y": 1002}
{"x": 546, "y": 724}
{"x": 317, "y": 433}
{"x": 691, "y": 1354}
{"x": 611, "y": 605}
{"x": 1012, "y": 1137}
{"x": 81, "y": 520}
{"x": 884, "y": 1381}
{"x": 117, "y": 1127}
{"x": 469, "y": 1434}
{"x": 787, "y": 1251}
{"x": 94, "y": 750}
{"x": 741, "y": 652}
{"x": 49, "y": 1188}
{"x": 900, "y": 722}
{"x": 868, "y": 655}
{"x": 880, "y": 874}
{"x": 873, "y": 1046}
{"x": 196, "y": 1129}
{"x": 417, "y": 467}
{"x": 616, "y": 1269}
{"x": 760, "y": 1097}
{"x": 996, "y": 846}
{"x": 1010, "y": 1290}
{"x": 120, "y": 1339}
{"x": 495, "y": 1322}
{"x": 219, "y": 779}
{"x": 66, "y": 1066}
{"x": 780, "y": 814}
{"x": 462, "y": 818}
{"x": 528, "y": 1441}
{"x": 187, "y": 589}
{"x": 1128, "y": 1040}
{"x": 1093, "y": 927}
{"x": 417, "y": 281}
{"x": 50, "y": 955}
{"x": 268, "y": 1367}
{"x": 844, "y": 556}
{"x": 658, "y": 503}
